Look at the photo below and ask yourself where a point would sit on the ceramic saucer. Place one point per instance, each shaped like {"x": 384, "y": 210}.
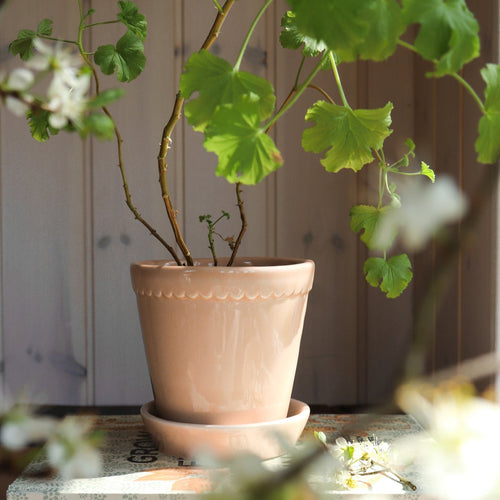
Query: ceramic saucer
{"x": 264, "y": 439}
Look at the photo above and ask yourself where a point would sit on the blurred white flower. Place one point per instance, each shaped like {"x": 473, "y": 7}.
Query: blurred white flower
{"x": 67, "y": 103}
{"x": 15, "y": 106}
{"x": 17, "y": 82}
{"x": 67, "y": 91}
{"x": 425, "y": 208}
{"x": 72, "y": 451}
{"x": 60, "y": 59}
{"x": 458, "y": 454}
{"x": 20, "y": 79}
{"x": 20, "y": 427}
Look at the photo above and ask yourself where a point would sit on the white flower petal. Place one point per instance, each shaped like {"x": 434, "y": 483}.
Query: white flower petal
{"x": 16, "y": 106}
{"x": 20, "y": 79}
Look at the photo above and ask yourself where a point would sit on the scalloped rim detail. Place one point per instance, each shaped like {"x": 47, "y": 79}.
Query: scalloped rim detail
{"x": 158, "y": 294}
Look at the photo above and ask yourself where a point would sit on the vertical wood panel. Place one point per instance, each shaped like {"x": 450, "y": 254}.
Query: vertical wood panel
{"x": 120, "y": 365}
{"x": 43, "y": 254}
{"x": 73, "y": 274}
{"x": 312, "y": 222}
{"x": 205, "y": 193}
{"x": 477, "y": 265}
{"x": 388, "y": 320}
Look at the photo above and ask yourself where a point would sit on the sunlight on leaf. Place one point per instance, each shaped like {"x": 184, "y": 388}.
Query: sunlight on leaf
{"x": 366, "y": 218}
{"x": 392, "y": 275}
{"x": 246, "y": 153}
{"x": 348, "y": 135}
{"x": 217, "y": 84}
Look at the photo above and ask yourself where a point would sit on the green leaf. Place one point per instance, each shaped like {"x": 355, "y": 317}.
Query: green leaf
{"x": 38, "y": 121}
{"x": 392, "y": 275}
{"x": 368, "y": 28}
{"x": 292, "y": 38}
{"x": 246, "y": 153}
{"x": 448, "y": 32}
{"x": 99, "y": 125}
{"x": 127, "y": 58}
{"x": 366, "y": 218}
{"x": 487, "y": 144}
{"x": 349, "y": 135}
{"x": 217, "y": 84}
{"x": 106, "y": 97}
{"x": 23, "y": 44}
{"x": 385, "y": 28}
{"x": 135, "y": 21}
{"x": 427, "y": 171}
{"x": 44, "y": 27}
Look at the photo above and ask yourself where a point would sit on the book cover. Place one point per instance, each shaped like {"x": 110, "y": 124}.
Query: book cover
{"x": 133, "y": 468}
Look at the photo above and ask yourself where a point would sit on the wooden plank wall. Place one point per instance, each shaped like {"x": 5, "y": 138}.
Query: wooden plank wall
{"x": 69, "y": 329}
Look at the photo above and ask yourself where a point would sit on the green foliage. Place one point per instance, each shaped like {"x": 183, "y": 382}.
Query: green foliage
{"x": 366, "y": 218}
{"x": 217, "y": 84}
{"x": 38, "y": 121}
{"x": 246, "y": 153}
{"x": 366, "y": 28}
{"x": 99, "y": 125}
{"x": 488, "y": 143}
{"x": 392, "y": 275}
{"x": 349, "y": 135}
{"x": 135, "y": 21}
{"x": 23, "y": 44}
{"x": 427, "y": 171}
{"x": 106, "y": 97}
{"x": 292, "y": 38}
{"x": 127, "y": 58}
{"x": 448, "y": 32}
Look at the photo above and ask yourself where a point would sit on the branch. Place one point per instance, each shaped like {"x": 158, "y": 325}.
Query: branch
{"x": 167, "y": 139}
{"x": 119, "y": 142}
{"x": 243, "y": 224}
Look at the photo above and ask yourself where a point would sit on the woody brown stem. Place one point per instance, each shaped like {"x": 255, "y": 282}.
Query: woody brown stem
{"x": 243, "y": 224}
{"x": 119, "y": 142}
{"x": 167, "y": 139}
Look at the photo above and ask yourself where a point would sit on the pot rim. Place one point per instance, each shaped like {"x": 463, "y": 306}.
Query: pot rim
{"x": 242, "y": 264}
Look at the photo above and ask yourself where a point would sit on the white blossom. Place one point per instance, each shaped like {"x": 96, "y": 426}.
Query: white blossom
{"x": 458, "y": 453}
{"x": 72, "y": 452}
{"x": 65, "y": 63}
{"x": 67, "y": 103}
{"x": 20, "y": 79}
{"x": 20, "y": 427}
{"x": 425, "y": 208}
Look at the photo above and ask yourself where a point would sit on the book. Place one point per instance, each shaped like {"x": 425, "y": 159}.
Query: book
{"x": 133, "y": 468}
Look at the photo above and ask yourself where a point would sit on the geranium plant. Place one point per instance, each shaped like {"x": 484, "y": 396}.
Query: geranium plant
{"x": 235, "y": 109}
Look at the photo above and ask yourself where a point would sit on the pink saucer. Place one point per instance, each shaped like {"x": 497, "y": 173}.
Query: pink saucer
{"x": 265, "y": 439}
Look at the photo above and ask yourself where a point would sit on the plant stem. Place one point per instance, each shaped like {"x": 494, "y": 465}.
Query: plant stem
{"x": 291, "y": 101}
{"x": 119, "y": 142}
{"x": 470, "y": 90}
{"x": 102, "y": 23}
{"x": 45, "y": 37}
{"x": 167, "y": 139}
{"x": 243, "y": 224}
{"x": 456, "y": 76}
{"x": 249, "y": 34}
{"x": 337, "y": 79}
{"x": 217, "y": 4}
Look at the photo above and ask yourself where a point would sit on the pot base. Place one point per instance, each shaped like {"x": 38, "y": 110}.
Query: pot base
{"x": 264, "y": 439}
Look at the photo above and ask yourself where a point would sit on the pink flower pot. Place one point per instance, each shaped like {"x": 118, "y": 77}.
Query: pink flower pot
{"x": 222, "y": 343}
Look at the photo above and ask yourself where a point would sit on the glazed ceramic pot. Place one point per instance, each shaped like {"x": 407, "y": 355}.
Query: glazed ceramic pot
{"x": 222, "y": 343}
